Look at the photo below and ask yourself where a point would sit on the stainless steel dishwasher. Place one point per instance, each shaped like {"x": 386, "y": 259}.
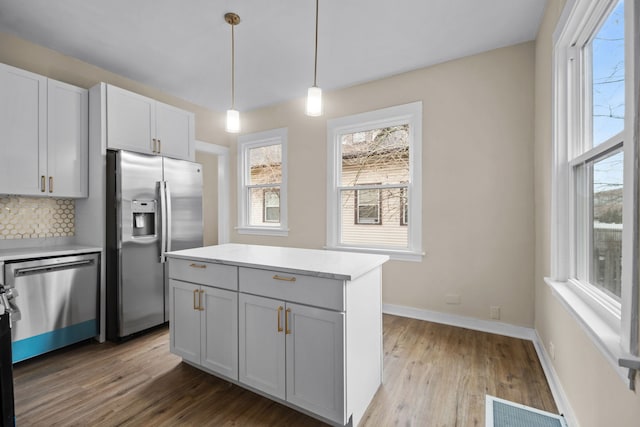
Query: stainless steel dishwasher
{"x": 55, "y": 302}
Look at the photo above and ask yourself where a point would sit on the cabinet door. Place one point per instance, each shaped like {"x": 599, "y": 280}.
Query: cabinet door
{"x": 316, "y": 360}
{"x": 185, "y": 320}
{"x": 262, "y": 341}
{"x": 130, "y": 121}
{"x": 23, "y": 136}
{"x": 67, "y": 140}
{"x": 219, "y": 331}
{"x": 174, "y": 131}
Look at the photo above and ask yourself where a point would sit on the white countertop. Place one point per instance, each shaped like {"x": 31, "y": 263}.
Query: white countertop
{"x": 320, "y": 263}
{"x": 45, "y": 251}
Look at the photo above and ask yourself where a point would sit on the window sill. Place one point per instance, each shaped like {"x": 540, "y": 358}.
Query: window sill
{"x": 605, "y": 338}
{"x": 394, "y": 254}
{"x": 263, "y": 231}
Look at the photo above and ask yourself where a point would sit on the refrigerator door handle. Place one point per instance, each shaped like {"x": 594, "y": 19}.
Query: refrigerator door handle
{"x": 168, "y": 216}
{"x": 163, "y": 219}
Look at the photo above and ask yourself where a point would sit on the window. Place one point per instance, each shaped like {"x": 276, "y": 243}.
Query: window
{"x": 262, "y": 182}
{"x": 271, "y": 207}
{"x": 374, "y": 182}
{"x": 593, "y": 203}
{"x": 368, "y": 203}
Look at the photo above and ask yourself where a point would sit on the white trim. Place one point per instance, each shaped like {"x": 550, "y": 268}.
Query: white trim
{"x": 398, "y": 255}
{"x": 493, "y": 327}
{"x": 579, "y": 20}
{"x": 605, "y": 338}
{"x": 223, "y": 186}
{"x": 489, "y": 326}
{"x": 410, "y": 113}
{"x": 559, "y": 395}
{"x": 262, "y": 231}
{"x": 254, "y": 140}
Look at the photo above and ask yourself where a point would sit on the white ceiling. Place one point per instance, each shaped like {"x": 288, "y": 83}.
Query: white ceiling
{"x": 184, "y": 47}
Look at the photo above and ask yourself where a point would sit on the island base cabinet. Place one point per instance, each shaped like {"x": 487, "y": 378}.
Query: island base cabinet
{"x": 262, "y": 341}
{"x": 184, "y": 338}
{"x": 295, "y": 353}
{"x": 204, "y": 326}
{"x": 219, "y": 331}
{"x": 316, "y": 360}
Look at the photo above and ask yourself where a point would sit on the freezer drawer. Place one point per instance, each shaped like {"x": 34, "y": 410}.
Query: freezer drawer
{"x": 58, "y": 302}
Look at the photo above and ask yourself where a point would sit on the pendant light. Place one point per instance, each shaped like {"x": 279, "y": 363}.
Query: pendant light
{"x": 233, "y": 115}
{"x": 314, "y": 94}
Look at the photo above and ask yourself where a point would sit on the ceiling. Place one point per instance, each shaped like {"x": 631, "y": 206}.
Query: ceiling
{"x": 184, "y": 47}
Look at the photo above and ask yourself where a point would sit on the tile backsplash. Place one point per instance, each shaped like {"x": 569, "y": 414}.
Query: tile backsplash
{"x": 36, "y": 217}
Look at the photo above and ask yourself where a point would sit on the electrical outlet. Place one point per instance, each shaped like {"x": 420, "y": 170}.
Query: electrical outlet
{"x": 494, "y": 312}
{"x": 452, "y": 299}
{"x": 552, "y": 350}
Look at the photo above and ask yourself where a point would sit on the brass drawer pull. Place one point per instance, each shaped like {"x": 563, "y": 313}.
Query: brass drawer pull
{"x": 286, "y": 321}
{"x": 42, "y": 183}
{"x": 195, "y": 291}
{"x": 286, "y": 279}
{"x": 50, "y": 184}
{"x": 279, "y": 314}
{"x": 194, "y": 265}
{"x": 200, "y": 307}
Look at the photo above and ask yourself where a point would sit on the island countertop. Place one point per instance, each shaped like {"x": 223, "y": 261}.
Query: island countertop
{"x": 327, "y": 264}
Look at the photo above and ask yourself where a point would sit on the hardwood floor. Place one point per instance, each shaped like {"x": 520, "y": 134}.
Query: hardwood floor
{"x": 435, "y": 375}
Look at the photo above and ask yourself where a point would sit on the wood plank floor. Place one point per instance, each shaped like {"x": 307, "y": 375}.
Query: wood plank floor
{"x": 435, "y": 375}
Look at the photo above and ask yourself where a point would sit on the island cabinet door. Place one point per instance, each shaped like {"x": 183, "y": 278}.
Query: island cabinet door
{"x": 219, "y": 331}
{"x": 262, "y": 344}
{"x": 185, "y": 320}
{"x": 316, "y": 360}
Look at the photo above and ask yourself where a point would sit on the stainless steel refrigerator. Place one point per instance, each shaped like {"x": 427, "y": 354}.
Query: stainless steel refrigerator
{"x": 154, "y": 205}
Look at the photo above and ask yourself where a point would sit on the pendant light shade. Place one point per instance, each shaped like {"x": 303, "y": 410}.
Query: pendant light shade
{"x": 233, "y": 115}
{"x": 314, "y": 101}
{"x": 314, "y": 94}
{"x": 233, "y": 121}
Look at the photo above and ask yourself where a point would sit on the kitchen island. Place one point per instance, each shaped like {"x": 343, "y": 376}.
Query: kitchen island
{"x": 302, "y": 327}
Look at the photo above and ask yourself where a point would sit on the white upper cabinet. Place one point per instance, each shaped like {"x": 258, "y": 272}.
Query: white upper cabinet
{"x": 144, "y": 125}
{"x": 174, "y": 132}
{"x": 43, "y": 136}
{"x": 67, "y": 140}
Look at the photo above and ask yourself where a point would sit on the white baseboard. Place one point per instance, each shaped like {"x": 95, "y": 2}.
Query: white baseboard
{"x": 554, "y": 383}
{"x": 501, "y": 329}
{"x": 461, "y": 321}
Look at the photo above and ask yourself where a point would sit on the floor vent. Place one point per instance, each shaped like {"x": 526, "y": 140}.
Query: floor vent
{"x": 502, "y": 413}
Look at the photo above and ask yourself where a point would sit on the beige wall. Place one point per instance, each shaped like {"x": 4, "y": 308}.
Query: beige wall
{"x": 595, "y": 392}
{"x": 477, "y": 180}
{"x": 209, "y": 164}
{"x": 209, "y": 125}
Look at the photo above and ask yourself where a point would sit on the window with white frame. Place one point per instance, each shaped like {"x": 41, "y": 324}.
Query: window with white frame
{"x": 368, "y": 207}
{"x": 262, "y": 183}
{"x": 594, "y": 203}
{"x": 374, "y": 183}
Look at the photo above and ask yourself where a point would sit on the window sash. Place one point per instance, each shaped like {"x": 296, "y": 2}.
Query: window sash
{"x": 578, "y": 23}
{"x": 410, "y": 114}
{"x": 255, "y": 223}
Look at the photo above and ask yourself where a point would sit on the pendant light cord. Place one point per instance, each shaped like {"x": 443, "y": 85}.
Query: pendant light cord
{"x": 315, "y": 65}
{"x": 233, "y": 69}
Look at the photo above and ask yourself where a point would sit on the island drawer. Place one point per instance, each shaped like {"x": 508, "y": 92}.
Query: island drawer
{"x": 311, "y": 290}
{"x": 204, "y": 273}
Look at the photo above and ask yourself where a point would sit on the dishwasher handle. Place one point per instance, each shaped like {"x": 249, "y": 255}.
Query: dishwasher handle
{"x": 25, "y": 271}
